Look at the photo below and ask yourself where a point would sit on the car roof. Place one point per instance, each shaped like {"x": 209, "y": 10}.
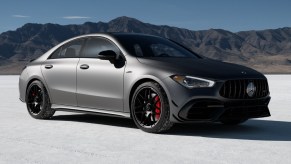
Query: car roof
{"x": 112, "y": 34}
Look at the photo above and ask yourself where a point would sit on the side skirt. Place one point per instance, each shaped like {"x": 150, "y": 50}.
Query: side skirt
{"x": 89, "y": 111}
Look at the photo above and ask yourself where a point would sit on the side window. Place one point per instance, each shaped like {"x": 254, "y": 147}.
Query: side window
{"x": 95, "y": 45}
{"x": 138, "y": 50}
{"x": 55, "y": 54}
{"x": 161, "y": 50}
{"x": 69, "y": 50}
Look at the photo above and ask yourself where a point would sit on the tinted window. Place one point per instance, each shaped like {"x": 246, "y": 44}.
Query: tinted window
{"x": 163, "y": 50}
{"x": 69, "y": 50}
{"x": 95, "y": 45}
{"x": 151, "y": 46}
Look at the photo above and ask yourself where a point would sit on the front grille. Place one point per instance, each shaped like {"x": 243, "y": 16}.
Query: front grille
{"x": 237, "y": 89}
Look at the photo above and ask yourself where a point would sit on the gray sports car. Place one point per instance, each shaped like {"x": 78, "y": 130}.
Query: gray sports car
{"x": 155, "y": 81}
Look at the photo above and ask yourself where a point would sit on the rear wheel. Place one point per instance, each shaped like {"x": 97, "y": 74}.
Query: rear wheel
{"x": 38, "y": 102}
{"x": 150, "y": 108}
{"x": 233, "y": 121}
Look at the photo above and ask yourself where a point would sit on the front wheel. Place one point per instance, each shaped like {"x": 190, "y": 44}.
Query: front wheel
{"x": 38, "y": 102}
{"x": 150, "y": 108}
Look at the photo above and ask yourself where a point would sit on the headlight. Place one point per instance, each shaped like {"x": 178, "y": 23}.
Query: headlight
{"x": 192, "y": 82}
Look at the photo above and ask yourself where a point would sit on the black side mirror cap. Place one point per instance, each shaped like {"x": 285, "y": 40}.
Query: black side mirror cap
{"x": 107, "y": 55}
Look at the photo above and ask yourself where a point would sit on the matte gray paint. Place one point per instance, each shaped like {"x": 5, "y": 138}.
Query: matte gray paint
{"x": 61, "y": 80}
{"x": 102, "y": 87}
{"x": 80, "y": 109}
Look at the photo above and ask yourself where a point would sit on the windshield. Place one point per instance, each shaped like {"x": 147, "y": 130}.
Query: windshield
{"x": 151, "y": 46}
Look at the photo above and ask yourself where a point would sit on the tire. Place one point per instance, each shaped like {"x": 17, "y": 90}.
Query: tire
{"x": 233, "y": 121}
{"x": 150, "y": 108}
{"x": 38, "y": 102}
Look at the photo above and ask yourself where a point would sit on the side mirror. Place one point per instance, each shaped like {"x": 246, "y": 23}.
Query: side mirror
{"x": 107, "y": 55}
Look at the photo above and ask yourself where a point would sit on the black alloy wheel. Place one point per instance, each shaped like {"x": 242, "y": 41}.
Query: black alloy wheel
{"x": 150, "y": 108}
{"x": 147, "y": 107}
{"x": 37, "y": 101}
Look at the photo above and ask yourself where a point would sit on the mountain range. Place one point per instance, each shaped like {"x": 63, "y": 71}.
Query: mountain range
{"x": 268, "y": 51}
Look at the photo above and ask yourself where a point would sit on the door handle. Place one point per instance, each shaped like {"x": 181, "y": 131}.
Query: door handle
{"x": 48, "y": 66}
{"x": 84, "y": 66}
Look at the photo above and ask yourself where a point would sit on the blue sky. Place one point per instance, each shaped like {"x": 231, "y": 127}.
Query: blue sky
{"x": 232, "y": 15}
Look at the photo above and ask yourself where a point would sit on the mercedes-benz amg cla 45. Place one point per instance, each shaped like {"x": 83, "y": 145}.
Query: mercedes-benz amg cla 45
{"x": 155, "y": 81}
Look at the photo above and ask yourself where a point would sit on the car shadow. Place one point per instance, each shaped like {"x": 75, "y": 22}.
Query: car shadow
{"x": 255, "y": 129}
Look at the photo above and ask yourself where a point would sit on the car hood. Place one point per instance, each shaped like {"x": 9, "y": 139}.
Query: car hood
{"x": 204, "y": 68}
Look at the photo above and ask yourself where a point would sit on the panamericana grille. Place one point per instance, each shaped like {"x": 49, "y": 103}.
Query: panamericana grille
{"x": 237, "y": 89}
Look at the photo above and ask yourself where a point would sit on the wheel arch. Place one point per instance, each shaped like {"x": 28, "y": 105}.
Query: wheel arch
{"x": 143, "y": 80}
{"x": 32, "y": 80}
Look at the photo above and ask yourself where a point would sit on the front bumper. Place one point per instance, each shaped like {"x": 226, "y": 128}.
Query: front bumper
{"x": 206, "y": 104}
{"x": 215, "y": 110}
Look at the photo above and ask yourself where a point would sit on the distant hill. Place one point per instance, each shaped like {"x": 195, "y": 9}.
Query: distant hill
{"x": 268, "y": 51}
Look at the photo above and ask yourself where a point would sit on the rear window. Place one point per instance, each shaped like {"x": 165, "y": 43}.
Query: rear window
{"x": 69, "y": 50}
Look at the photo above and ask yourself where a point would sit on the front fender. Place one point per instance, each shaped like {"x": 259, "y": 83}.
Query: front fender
{"x": 128, "y": 87}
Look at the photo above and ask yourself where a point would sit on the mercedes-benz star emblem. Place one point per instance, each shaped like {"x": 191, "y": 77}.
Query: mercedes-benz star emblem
{"x": 251, "y": 89}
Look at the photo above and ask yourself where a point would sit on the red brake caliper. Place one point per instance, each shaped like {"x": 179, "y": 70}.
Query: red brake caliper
{"x": 158, "y": 108}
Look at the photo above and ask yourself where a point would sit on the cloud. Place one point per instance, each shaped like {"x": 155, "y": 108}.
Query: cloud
{"x": 20, "y": 16}
{"x": 75, "y": 17}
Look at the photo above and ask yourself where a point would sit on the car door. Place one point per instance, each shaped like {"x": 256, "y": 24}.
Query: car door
{"x": 99, "y": 82}
{"x": 59, "y": 72}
